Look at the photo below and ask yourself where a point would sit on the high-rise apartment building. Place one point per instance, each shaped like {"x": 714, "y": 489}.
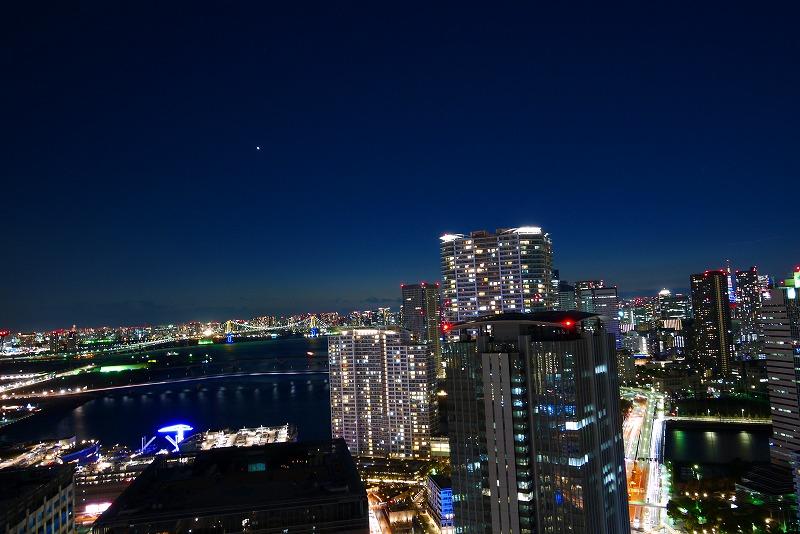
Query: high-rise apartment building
{"x": 534, "y": 425}
{"x": 484, "y": 273}
{"x": 382, "y": 387}
{"x": 421, "y": 315}
{"x": 712, "y": 322}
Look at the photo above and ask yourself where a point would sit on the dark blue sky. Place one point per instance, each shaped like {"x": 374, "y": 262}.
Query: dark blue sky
{"x": 651, "y": 143}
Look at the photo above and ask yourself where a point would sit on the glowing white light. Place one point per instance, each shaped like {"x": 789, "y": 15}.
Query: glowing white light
{"x": 446, "y": 238}
{"x": 529, "y": 230}
{"x": 97, "y": 508}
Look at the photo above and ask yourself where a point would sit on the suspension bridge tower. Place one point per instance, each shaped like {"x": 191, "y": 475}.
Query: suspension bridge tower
{"x": 3, "y": 334}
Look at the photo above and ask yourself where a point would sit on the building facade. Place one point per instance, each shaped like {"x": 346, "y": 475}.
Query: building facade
{"x": 484, "y": 273}
{"x": 37, "y": 500}
{"x": 534, "y": 425}
{"x": 382, "y": 385}
{"x": 712, "y": 323}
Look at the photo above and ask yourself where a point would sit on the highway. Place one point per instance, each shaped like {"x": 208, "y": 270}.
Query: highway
{"x": 643, "y": 439}
{"x": 30, "y": 380}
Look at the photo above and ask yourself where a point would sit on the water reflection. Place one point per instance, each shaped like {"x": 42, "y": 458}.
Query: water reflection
{"x": 717, "y": 446}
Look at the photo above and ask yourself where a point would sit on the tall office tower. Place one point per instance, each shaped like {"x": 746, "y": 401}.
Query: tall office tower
{"x": 381, "y": 387}
{"x": 421, "y": 314}
{"x": 566, "y": 297}
{"x": 534, "y": 425}
{"x": 489, "y": 273}
{"x": 712, "y": 322}
{"x": 593, "y": 296}
{"x": 555, "y": 284}
{"x": 749, "y": 288}
{"x": 677, "y": 306}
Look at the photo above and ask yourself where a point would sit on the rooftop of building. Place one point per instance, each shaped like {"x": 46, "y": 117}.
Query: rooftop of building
{"x": 239, "y": 479}
{"x": 541, "y": 326}
{"x": 244, "y": 437}
{"x": 442, "y": 481}
{"x": 524, "y": 230}
{"x": 567, "y": 317}
{"x": 768, "y": 480}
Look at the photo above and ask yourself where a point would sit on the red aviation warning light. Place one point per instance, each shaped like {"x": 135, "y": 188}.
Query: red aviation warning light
{"x": 569, "y": 323}
{"x": 446, "y": 327}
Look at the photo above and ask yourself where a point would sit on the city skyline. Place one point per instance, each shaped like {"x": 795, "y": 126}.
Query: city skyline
{"x": 378, "y": 268}
{"x": 168, "y": 176}
{"x": 151, "y": 315}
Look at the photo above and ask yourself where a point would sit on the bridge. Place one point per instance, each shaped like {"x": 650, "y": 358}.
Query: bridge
{"x": 312, "y": 325}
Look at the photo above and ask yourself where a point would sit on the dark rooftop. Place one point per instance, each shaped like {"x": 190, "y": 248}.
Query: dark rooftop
{"x": 769, "y": 479}
{"x": 444, "y": 482}
{"x": 554, "y": 317}
{"x": 252, "y": 478}
{"x": 542, "y": 326}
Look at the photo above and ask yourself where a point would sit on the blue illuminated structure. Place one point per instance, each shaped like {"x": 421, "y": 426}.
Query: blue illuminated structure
{"x": 440, "y": 500}
{"x": 84, "y": 455}
{"x": 179, "y": 430}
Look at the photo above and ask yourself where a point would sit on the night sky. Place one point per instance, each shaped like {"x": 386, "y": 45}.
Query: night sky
{"x": 651, "y": 143}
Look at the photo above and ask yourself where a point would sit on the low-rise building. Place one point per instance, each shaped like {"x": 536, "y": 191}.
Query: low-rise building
{"x": 440, "y": 502}
{"x": 282, "y": 487}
